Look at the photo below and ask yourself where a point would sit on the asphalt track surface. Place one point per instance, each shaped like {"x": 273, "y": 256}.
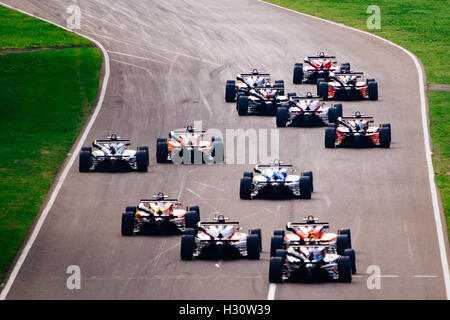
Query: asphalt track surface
{"x": 169, "y": 64}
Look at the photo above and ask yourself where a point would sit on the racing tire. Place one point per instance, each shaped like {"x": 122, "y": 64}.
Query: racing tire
{"x": 291, "y": 94}
{"x": 248, "y": 174}
{"x": 333, "y": 115}
{"x": 305, "y": 187}
{"x": 298, "y": 73}
{"x": 88, "y": 149}
{"x": 276, "y": 270}
{"x": 322, "y": 90}
{"x": 276, "y": 242}
{"x": 338, "y": 107}
{"x": 279, "y": 233}
{"x": 342, "y": 243}
{"x": 309, "y": 174}
{"x": 344, "y": 269}
{"x": 162, "y": 152}
{"x": 195, "y": 209}
{"x": 281, "y": 253}
{"x": 85, "y": 161}
{"x": 373, "y": 90}
{"x": 131, "y": 209}
{"x": 351, "y": 254}
{"x": 282, "y": 117}
{"x": 258, "y": 233}
{"x": 253, "y": 248}
{"x": 217, "y": 152}
{"x": 141, "y": 161}
{"x": 127, "y": 227}
{"x": 190, "y": 231}
{"x": 240, "y": 94}
{"x": 230, "y": 91}
{"x": 348, "y": 233}
{"x": 187, "y": 247}
{"x": 245, "y": 190}
{"x": 385, "y": 137}
{"x": 242, "y": 106}
{"x": 330, "y": 137}
{"x": 145, "y": 148}
{"x": 191, "y": 219}
{"x": 319, "y": 80}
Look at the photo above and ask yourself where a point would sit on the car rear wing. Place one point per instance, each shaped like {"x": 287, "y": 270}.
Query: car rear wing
{"x": 155, "y": 200}
{"x": 354, "y": 118}
{"x": 254, "y": 74}
{"x": 267, "y": 88}
{"x": 213, "y": 223}
{"x": 297, "y": 98}
{"x": 293, "y": 224}
{"x": 186, "y": 131}
{"x": 319, "y": 57}
{"x": 274, "y": 165}
{"x": 111, "y": 140}
{"x": 313, "y": 243}
{"x": 358, "y": 74}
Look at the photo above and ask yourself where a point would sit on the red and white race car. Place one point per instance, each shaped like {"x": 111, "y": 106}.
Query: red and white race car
{"x": 159, "y": 215}
{"x": 348, "y": 86}
{"x": 317, "y": 67}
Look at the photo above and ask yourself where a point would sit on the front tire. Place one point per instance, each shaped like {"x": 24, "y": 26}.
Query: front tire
{"x": 276, "y": 270}
{"x": 191, "y": 219}
{"x": 344, "y": 269}
{"x": 276, "y": 242}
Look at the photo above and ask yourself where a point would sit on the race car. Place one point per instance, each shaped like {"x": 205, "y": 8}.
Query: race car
{"x": 356, "y": 131}
{"x": 159, "y": 215}
{"x": 112, "y": 154}
{"x": 348, "y": 86}
{"x": 276, "y": 180}
{"x": 220, "y": 239}
{"x": 245, "y": 81}
{"x": 317, "y": 67}
{"x": 263, "y": 100}
{"x": 310, "y": 232}
{"x": 307, "y": 111}
{"x": 308, "y": 251}
{"x": 311, "y": 262}
{"x": 189, "y": 146}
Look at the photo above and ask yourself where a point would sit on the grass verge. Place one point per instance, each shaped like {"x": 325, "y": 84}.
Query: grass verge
{"x": 422, "y": 28}
{"x": 46, "y": 97}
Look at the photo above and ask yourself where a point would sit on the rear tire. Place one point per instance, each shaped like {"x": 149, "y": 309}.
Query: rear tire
{"x": 141, "y": 161}
{"x": 187, "y": 247}
{"x": 298, "y": 73}
{"x": 333, "y": 115}
{"x": 248, "y": 174}
{"x": 242, "y": 106}
{"x": 338, "y": 107}
{"x": 191, "y": 219}
{"x": 276, "y": 242}
{"x": 373, "y": 91}
{"x": 351, "y": 254}
{"x": 348, "y": 233}
{"x": 305, "y": 187}
{"x": 342, "y": 243}
{"x": 258, "y": 233}
{"x": 330, "y": 137}
{"x": 162, "y": 152}
{"x": 253, "y": 250}
{"x": 309, "y": 174}
{"x": 385, "y": 137}
{"x": 245, "y": 191}
{"x": 127, "y": 224}
{"x": 230, "y": 91}
{"x": 279, "y": 233}
{"x": 85, "y": 161}
{"x": 218, "y": 154}
{"x": 322, "y": 90}
{"x": 282, "y": 117}
{"x": 276, "y": 270}
{"x": 344, "y": 269}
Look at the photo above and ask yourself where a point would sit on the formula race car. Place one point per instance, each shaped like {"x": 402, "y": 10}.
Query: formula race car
{"x": 308, "y": 251}
{"x": 263, "y": 100}
{"x": 113, "y": 155}
{"x": 307, "y": 111}
{"x": 276, "y": 180}
{"x": 311, "y": 262}
{"x": 348, "y": 86}
{"x": 220, "y": 239}
{"x": 310, "y": 232}
{"x": 189, "y": 146}
{"x": 355, "y": 131}
{"x": 318, "y": 67}
{"x": 159, "y": 215}
{"x": 245, "y": 81}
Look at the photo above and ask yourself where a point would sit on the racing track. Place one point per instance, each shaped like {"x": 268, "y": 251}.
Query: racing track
{"x": 169, "y": 63}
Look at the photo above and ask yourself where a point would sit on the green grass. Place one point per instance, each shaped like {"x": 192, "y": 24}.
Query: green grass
{"x": 45, "y": 99}
{"x": 19, "y": 31}
{"x": 423, "y": 28}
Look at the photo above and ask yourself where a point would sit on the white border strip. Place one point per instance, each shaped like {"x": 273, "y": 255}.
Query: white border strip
{"x": 423, "y": 102}
{"x": 69, "y": 164}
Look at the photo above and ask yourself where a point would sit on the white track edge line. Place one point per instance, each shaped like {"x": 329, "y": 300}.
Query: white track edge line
{"x": 426, "y": 134}
{"x": 68, "y": 165}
